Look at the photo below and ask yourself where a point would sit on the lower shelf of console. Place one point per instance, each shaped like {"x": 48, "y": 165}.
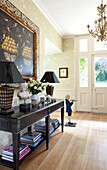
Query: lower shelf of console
{"x": 10, "y": 164}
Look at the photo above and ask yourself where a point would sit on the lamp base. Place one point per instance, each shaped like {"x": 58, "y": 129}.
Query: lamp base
{"x": 49, "y": 90}
{"x": 7, "y": 111}
{"x": 6, "y": 97}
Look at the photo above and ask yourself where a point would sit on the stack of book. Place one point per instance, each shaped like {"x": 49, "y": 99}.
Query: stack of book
{"x": 7, "y": 153}
{"x": 55, "y": 123}
{"x": 41, "y": 127}
{"x": 31, "y": 138}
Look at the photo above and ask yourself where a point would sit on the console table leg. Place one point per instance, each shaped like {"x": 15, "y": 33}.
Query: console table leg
{"x": 47, "y": 120}
{"x": 29, "y": 129}
{"x": 62, "y": 118}
{"x": 16, "y": 145}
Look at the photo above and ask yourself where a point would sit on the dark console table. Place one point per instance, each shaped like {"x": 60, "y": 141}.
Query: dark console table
{"x": 18, "y": 121}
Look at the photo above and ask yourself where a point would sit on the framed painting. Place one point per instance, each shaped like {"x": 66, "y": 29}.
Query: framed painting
{"x": 19, "y": 40}
{"x": 63, "y": 72}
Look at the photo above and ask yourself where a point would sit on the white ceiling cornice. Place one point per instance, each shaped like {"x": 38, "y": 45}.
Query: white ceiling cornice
{"x": 68, "y": 36}
{"x": 72, "y": 36}
{"x": 46, "y": 14}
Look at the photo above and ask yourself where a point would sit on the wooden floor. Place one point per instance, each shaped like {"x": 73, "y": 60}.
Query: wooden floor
{"x": 83, "y": 147}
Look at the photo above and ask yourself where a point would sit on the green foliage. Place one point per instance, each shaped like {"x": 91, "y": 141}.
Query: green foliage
{"x": 83, "y": 64}
{"x": 101, "y": 77}
{"x": 101, "y": 69}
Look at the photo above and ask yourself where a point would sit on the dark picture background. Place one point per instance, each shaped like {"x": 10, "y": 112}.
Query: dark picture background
{"x": 22, "y": 39}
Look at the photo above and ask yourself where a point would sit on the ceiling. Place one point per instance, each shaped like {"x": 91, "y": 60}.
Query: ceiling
{"x": 70, "y": 17}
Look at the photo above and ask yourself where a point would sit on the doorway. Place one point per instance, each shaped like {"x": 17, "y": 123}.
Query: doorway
{"x": 91, "y": 76}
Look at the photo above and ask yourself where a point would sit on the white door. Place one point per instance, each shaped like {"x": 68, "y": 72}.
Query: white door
{"x": 99, "y": 83}
{"x": 83, "y": 85}
{"x": 91, "y": 75}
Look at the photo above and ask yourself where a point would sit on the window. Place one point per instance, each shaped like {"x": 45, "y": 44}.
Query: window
{"x": 100, "y": 73}
{"x": 83, "y": 72}
{"x": 83, "y": 45}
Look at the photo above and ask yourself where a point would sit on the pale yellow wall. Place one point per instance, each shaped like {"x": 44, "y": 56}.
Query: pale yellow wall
{"x": 46, "y": 29}
{"x": 65, "y": 59}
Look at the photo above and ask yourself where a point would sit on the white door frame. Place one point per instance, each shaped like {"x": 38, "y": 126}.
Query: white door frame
{"x": 82, "y": 92}
{"x": 91, "y": 53}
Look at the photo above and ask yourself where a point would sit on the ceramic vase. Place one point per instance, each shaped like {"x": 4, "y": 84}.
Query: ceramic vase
{"x": 35, "y": 97}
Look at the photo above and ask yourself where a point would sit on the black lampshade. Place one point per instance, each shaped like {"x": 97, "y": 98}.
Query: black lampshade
{"x": 50, "y": 77}
{"x": 9, "y": 73}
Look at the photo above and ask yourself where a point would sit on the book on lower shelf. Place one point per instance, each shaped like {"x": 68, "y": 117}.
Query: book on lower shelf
{"x": 7, "y": 153}
{"x": 31, "y": 138}
{"x": 41, "y": 126}
{"x": 55, "y": 123}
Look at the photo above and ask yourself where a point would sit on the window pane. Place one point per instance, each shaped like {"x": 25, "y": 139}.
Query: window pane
{"x": 99, "y": 45}
{"x": 100, "y": 65}
{"x": 83, "y": 47}
{"x": 83, "y": 72}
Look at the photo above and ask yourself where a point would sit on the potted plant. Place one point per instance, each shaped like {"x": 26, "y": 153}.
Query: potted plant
{"x": 35, "y": 87}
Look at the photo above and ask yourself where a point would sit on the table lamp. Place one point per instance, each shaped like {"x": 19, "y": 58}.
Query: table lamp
{"x": 49, "y": 77}
{"x": 8, "y": 74}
